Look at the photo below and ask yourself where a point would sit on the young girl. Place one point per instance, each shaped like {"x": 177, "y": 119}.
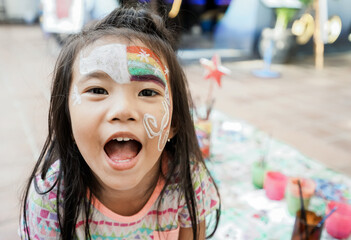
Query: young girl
{"x": 121, "y": 159}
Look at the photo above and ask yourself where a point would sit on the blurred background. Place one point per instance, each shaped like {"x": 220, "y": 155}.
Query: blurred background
{"x": 290, "y": 63}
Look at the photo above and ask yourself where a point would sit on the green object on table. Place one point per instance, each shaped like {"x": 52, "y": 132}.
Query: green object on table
{"x": 259, "y": 170}
{"x": 294, "y": 203}
{"x": 293, "y": 193}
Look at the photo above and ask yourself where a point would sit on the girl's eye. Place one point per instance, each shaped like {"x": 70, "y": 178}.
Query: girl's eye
{"x": 147, "y": 93}
{"x": 98, "y": 91}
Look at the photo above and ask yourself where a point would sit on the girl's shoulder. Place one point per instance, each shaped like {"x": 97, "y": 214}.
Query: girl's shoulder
{"x": 199, "y": 171}
{"x": 44, "y": 193}
{"x": 200, "y": 176}
{"x": 206, "y": 195}
{"x": 42, "y": 207}
{"x": 50, "y": 179}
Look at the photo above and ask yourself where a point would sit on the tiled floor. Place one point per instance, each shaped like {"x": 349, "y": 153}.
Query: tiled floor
{"x": 305, "y": 108}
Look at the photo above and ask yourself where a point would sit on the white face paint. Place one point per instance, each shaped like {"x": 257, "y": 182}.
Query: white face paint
{"x": 111, "y": 59}
{"x": 162, "y": 134}
{"x": 150, "y": 119}
{"x": 166, "y": 71}
{"x": 76, "y": 96}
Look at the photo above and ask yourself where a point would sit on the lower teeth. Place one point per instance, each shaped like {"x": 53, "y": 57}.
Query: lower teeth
{"x": 122, "y": 161}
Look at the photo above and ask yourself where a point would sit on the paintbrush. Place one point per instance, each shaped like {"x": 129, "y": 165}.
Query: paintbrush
{"x": 195, "y": 110}
{"x": 303, "y": 211}
{"x": 209, "y": 107}
{"x": 323, "y": 220}
{"x": 262, "y": 161}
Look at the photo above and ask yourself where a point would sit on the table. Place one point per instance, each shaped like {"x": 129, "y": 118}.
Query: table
{"x": 246, "y": 212}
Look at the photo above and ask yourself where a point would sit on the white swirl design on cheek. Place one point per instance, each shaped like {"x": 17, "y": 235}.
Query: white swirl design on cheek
{"x": 110, "y": 58}
{"x": 151, "y": 120}
{"x": 76, "y": 96}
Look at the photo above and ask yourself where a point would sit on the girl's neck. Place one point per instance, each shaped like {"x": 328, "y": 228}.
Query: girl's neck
{"x": 130, "y": 202}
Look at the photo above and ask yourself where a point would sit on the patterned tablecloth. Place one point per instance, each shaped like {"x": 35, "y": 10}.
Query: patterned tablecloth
{"x": 246, "y": 212}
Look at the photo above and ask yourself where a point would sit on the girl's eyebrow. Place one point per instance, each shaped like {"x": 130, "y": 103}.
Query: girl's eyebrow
{"x": 148, "y": 78}
{"x": 97, "y": 74}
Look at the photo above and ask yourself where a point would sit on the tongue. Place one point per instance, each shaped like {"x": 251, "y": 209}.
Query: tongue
{"x": 121, "y": 150}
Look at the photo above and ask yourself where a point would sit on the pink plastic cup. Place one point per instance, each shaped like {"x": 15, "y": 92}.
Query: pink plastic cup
{"x": 275, "y": 184}
{"x": 338, "y": 225}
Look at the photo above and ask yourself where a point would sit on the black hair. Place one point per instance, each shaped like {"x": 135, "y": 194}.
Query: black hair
{"x": 75, "y": 177}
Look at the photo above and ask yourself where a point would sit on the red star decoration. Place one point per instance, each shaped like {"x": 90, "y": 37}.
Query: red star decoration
{"x": 214, "y": 68}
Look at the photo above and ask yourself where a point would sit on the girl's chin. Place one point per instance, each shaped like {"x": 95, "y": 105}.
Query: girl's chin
{"x": 121, "y": 183}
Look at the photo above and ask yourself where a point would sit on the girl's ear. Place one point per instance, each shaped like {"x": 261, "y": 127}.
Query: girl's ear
{"x": 174, "y": 127}
{"x": 172, "y": 132}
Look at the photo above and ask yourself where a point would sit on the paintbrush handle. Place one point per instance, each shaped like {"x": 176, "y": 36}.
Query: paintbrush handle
{"x": 303, "y": 212}
{"x": 323, "y": 220}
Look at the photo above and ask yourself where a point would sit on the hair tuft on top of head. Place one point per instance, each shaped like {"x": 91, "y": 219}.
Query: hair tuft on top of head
{"x": 141, "y": 20}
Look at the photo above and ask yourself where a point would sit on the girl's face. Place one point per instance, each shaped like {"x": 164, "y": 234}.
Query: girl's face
{"x": 120, "y": 105}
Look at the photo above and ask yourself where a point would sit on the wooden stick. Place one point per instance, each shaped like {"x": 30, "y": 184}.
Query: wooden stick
{"x": 318, "y": 43}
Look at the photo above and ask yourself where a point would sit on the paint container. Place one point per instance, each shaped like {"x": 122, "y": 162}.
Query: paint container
{"x": 309, "y": 229}
{"x": 338, "y": 225}
{"x": 258, "y": 172}
{"x": 293, "y": 195}
{"x": 203, "y": 129}
{"x": 275, "y": 184}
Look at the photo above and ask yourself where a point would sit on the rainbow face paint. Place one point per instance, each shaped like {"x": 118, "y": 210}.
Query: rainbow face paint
{"x": 143, "y": 64}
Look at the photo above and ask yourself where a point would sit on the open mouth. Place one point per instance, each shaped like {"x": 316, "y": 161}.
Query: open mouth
{"x": 122, "y": 149}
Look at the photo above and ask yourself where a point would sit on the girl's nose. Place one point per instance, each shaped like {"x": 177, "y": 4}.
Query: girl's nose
{"x": 123, "y": 108}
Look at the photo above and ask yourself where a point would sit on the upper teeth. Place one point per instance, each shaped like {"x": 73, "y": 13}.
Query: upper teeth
{"x": 120, "y": 139}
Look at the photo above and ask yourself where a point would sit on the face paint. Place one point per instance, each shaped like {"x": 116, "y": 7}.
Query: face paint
{"x": 76, "y": 96}
{"x": 143, "y": 55}
{"x": 111, "y": 59}
{"x": 166, "y": 71}
{"x": 162, "y": 134}
{"x": 143, "y": 62}
{"x": 125, "y": 64}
